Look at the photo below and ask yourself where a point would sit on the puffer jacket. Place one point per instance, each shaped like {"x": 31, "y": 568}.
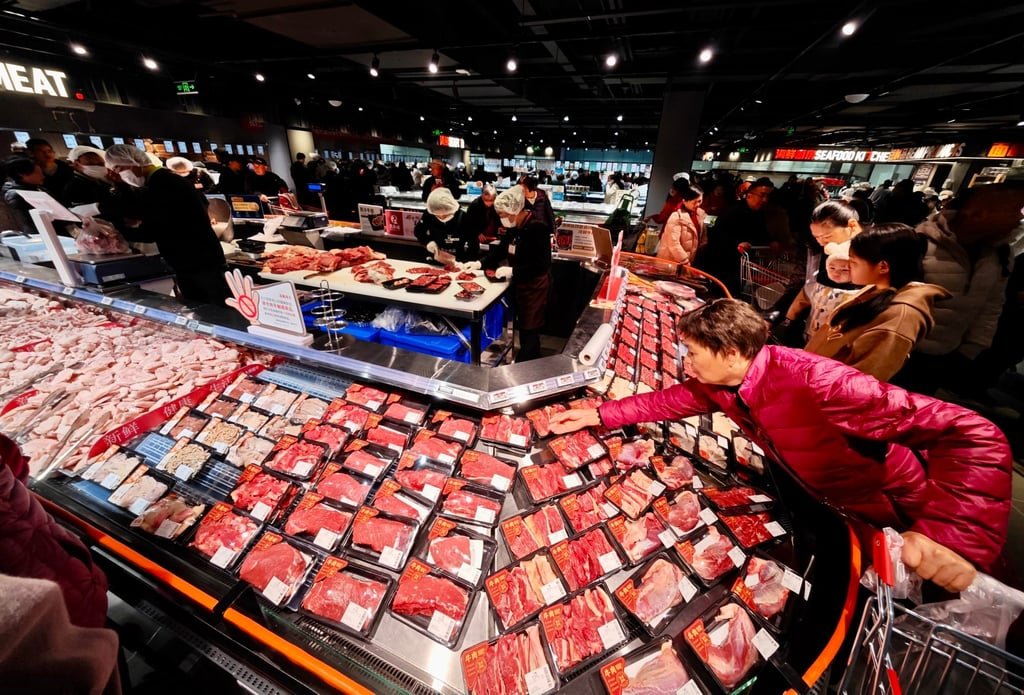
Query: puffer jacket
{"x": 33, "y": 545}
{"x": 854, "y": 442}
{"x": 967, "y": 321}
{"x": 681, "y": 237}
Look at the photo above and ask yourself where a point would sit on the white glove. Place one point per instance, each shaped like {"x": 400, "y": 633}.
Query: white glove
{"x": 432, "y": 248}
{"x": 503, "y": 273}
{"x": 471, "y": 265}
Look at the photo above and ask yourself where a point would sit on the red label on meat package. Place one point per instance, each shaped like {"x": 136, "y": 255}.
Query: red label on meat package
{"x": 218, "y": 512}
{"x": 474, "y": 663}
{"x": 614, "y": 495}
{"x": 614, "y": 676}
{"x": 497, "y": 585}
{"x": 560, "y": 553}
{"x": 357, "y": 444}
{"x": 451, "y": 485}
{"x": 627, "y": 594}
{"x": 285, "y": 442}
{"x": 408, "y": 460}
{"x": 659, "y": 463}
{"x": 365, "y": 514}
{"x": 686, "y": 551}
{"x": 266, "y": 540}
{"x": 618, "y": 528}
{"x": 661, "y": 506}
{"x": 388, "y": 488}
{"x": 513, "y": 528}
{"x": 744, "y": 592}
{"x": 310, "y": 500}
{"x": 570, "y": 505}
{"x": 373, "y": 421}
{"x": 415, "y": 571}
{"x": 440, "y": 528}
{"x": 424, "y": 434}
{"x": 698, "y": 638}
{"x": 614, "y": 446}
{"x": 250, "y": 472}
{"x": 332, "y": 565}
{"x": 530, "y": 474}
{"x": 552, "y": 619}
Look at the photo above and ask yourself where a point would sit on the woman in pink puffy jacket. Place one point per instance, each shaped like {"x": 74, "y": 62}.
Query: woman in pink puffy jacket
{"x": 938, "y": 473}
{"x": 685, "y": 229}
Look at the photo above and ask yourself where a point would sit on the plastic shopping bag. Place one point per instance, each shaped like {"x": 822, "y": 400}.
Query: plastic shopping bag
{"x": 985, "y": 609}
{"x": 99, "y": 238}
{"x": 906, "y": 585}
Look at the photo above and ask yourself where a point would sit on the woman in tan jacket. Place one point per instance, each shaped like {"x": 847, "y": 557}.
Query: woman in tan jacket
{"x": 876, "y": 329}
{"x": 685, "y": 230}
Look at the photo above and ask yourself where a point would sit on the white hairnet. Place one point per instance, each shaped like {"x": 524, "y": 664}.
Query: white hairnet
{"x": 178, "y": 164}
{"x": 78, "y": 151}
{"x": 680, "y": 175}
{"x": 510, "y": 201}
{"x": 441, "y": 202}
{"x": 126, "y": 155}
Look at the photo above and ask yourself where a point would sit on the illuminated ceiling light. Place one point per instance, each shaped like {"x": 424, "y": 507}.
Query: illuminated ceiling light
{"x": 150, "y": 64}
{"x": 434, "y": 60}
{"x": 706, "y": 55}
{"x": 758, "y": 101}
{"x": 79, "y": 49}
{"x": 856, "y": 98}
{"x": 360, "y": 108}
{"x": 574, "y": 132}
{"x": 619, "y": 118}
{"x": 616, "y": 133}
{"x": 469, "y": 118}
{"x": 375, "y": 66}
{"x": 422, "y": 118}
{"x": 565, "y": 118}
{"x": 495, "y": 132}
{"x": 259, "y": 77}
{"x": 512, "y": 64}
{"x": 951, "y": 120}
{"x": 514, "y": 119}
{"x": 463, "y": 71}
{"x": 334, "y": 102}
{"x": 310, "y": 75}
{"x": 849, "y": 28}
{"x": 611, "y": 60}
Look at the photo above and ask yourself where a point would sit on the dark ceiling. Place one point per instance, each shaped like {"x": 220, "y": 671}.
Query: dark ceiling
{"x": 779, "y": 75}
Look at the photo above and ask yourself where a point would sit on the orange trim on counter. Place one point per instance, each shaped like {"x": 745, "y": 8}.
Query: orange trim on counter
{"x": 295, "y": 654}
{"x": 828, "y": 654}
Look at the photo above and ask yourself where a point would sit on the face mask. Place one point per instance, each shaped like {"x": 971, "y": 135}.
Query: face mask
{"x": 133, "y": 179}
{"x": 506, "y": 222}
{"x": 94, "y": 171}
{"x": 445, "y": 219}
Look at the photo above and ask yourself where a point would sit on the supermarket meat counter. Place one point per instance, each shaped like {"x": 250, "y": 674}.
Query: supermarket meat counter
{"x": 358, "y": 537}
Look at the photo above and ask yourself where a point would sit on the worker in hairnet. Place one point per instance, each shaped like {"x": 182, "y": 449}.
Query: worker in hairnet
{"x": 443, "y": 230}
{"x": 173, "y": 217}
{"x": 90, "y": 182}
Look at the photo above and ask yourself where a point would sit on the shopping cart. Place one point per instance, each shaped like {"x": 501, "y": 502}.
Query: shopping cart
{"x": 897, "y": 651}
{"x": 767, "y": 275}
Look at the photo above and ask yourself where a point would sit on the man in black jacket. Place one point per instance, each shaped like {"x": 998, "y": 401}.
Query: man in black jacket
{"x": 441, "y": 177}
{"x": 58, "y": 173}
{"x": 173, "y": 217}
{"x": 743, "y": 222}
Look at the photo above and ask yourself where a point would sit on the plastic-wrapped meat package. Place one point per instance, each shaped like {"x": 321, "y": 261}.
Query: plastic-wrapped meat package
{"x": 659, "y": 671}
{"x": 217, "y": 406}
{"x": 505, "y": 429}
{"x": 307, "y": 408}
{"x": 222, "y": 534}
{"x": 712, "y": 555}
{"x": 392, "y": 499}
{"x": 713, "y": 449}
{"x": 586, "y": 559}
{"x": 185, "y": 459}
{"x": 138, "y": 491}
{"x": 655, "y": 593}
{"x": 406, "y": 411}
{"x": 736, "y": 499}
{"x": 318, "y": 520}
{"x": 724, "y": 642}
{"x": 581, "y": 629}
{"x": 390, "y": 437}
{"x": 639, "y": 538}
{"x": 633, "y": 493}
{"x": 436, "y": 448}
{"x": 683, "y": 436}
{"x": 111, "y": 468}
{"x": 471, "y": 504}
{"x": 330, "y": 436}
{"x": 275, "y": 568}
{"x": 507, "y": 665}
{"x": 459, "y": 429}
{"x": 544, "y": 482}
{"x": 458, "y": 551}
{"x": 600, "y": 467}
{"x": 635, "y": 454}
{"x": 541, "y": 418}
{"x": 343, "y": 487}
{"x": 753, "y": 529}
{"x": 169, "y": 516}
{"x": 519, "y": 591}
{"x": 577, "y": 449}
{"x": 587, "y": 508}
{"x": 748, "y": 454}
{"x": 366, "y": 396}
{"x": 352, "y": 417}
{"x": 422, "y": 595}
{"x": 349, "y": 597}
{"x": 384, "y": 540}
{"x": 185, "y": 424}
{"x": 675, "y": 473}
{"x": 684, "y": 514}
{"x": 276, "y": 427}
{"x": 486, "y": 470}
{"x": 220, "y": 435}
{"x": 255, "y": 421}
{"x": 275, "y": 399}
{"x": 427, "y": 481}
{"x": 763, "y": 587}
{"x": 366, "y": 463}
{"x": 245, "y": 388}
{"x": 525, "y": 534}
{"x": 260, "y": 493}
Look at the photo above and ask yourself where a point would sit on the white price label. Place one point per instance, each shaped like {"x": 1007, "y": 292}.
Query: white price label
{"x": 391, "y": 557}
{"x": 611, "y": 634}
{"x": 351, "y": 426}
{"x": 106, "y": 301}
{"x": 687, "y": 589}
{"x": 111, "y": 481}
{"x": 139, "y": 506}
{"x": 275, "y": 591}
{"x": 261, "y": 510}
{"x": 469, "y": 573}
{"x": 719, "y": 635}
{"x": 609, "y": 562}
{"x": 775, "y": 528}
{"x": 572, "y": 480}
{"x": 751, "y": 580}
{"x": 500, "y": 482}
{"x": 537, "y": 387}
{"x": 180, "y": 320}
{"x": 303, "y": 468}
{"x": 737, "y": 556}
{"x": 462, "y": 436}
{"x": 539, "y": 681}
{"x": 431, "y": 492}
{"x": 68, "y": 291}
{"x": 186, "y": 434}
{"x": 441, "y": 625}
{"x": 412, "y": 418}
{"x": 223, "y": 557}
{"x": 139, "y": 309}
{"x": 220, "y": 448}
{"x": 656, "y": 488}
{"x": 697, "y": 483}
{"x": 355, "y": 616}
{"x": 476, "y": 552}
{"x": 247, "y": 397}
{"x": 592, "y": 373}
{"x": 372, "y": 470}
{"x": 708, "y": 516}
{"x": 609, "y": 509}
{"x": 552, "y": 592}
{"x": 723, "y": 442}
{"x": 20, "y": 279}
{"x": 484, "y": 515}
{"x": 278, "y": 408}
{"x": 566, "y": 380}
{"x": 595, "y": 451}
{"x": 691, "y": 688}
{"x": 167, "y": 528}
{"x": 759, "y": 499}
{"x": 765, "y": 643}
{"x": 667, "y": 538}
{"x": 557, "y": 536}
{"x": 326, "y": 538}
{"x": 807, "y": 590}
{"x": 517, "y": 440}
{"x": 398, "y": 448}
{"x": 373, "y": 405}
{"x": 757, "y": 450}
{"x": 446, "y": 458}
{"x": 792, "y": 581}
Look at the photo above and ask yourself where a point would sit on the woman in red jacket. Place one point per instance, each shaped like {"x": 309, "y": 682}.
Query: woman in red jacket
{"x": 855, "y": 443}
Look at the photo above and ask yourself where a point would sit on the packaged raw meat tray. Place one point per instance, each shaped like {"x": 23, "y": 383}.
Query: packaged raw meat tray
{"x": 216, "y": 405}
{"x": 636, "y": 453}
{"x": 275, "y": 567}
{"x": 748, "y": 454}
{"x": 464, "y": 501}
{"x": 458, "y": 551}
{"x": 110, "y": 468}
{"x": 435, "y": 447}
{"x": 640, "y": 538}
{"x": 587, "y": 558}
{"x": 422, "y": 476}
{"x": 432, "y": 603}
{"x": 250, "y": 448}
{"x": 370, "y": 460}
{"x": 184, "y": 459}
{"x": 254, "y": 420}
{"x": 541, "y": 418}
{"x": 766, "y": 586}
{"x": 737, "y": 499}
{"x": 714, "y": 449}
{"x": 390, "y": 436}
{"x": 526, "y": 533}
{"x": 634, "y": 492}
{"x": 723, "y": 640}
{"x": 711, "y": 554}
{"x": 676, "y": 472}
{"x": 319, "y": 520}
{"x": 581, "y": 629}
{"x": 519, "y": 591}
{"x": 347, "y": 597}
{"x": 169, "y": 516}
{"x": 545, "y": 482}
{"x": 406, "y": 412}
{"x": 393, "y": 499}
{"x": 352, "y": 417}
{"x": 382, "y": 539}
{"x": 577, "y": 449}
{"x": 331, "y": 436}
{"x": 366, "y": 396}
{"x": 588, "y": 507}
{"x": 307, "y": 408}
{"x": 185, "y": 424}
{"x": 656, "y": 592}
{"x": 139, "y": 490}
{"x": 343, "y": 486}
{"x": 457, "y": 427}
{"x": 683, "y": 437}
{"x": 508, "y": 431}
{"x": 299, "y": 459}
{"x": 220, "y": 435}
{"x": 262, "y": 493}
{"x": 684, "y": 513}
{"x": 245, "y": 388}
{"x": 276, "y": 426}
{"x": 753, "y": 529}
{"x": 513, "y": 664}
{"x": 649, "y": 671}
{"x": 223, "y": 534}
{"x": 275, "y": 399}
{"x": 484, "y": 469}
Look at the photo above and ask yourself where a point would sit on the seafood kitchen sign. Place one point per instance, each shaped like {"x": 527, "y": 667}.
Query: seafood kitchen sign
{"x": 29, "y": 79}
